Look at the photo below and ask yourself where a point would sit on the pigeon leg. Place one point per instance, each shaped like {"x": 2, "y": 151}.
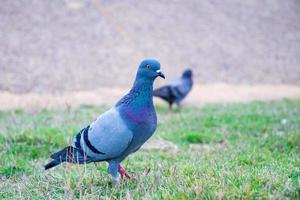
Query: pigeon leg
{"x": 123, "y": 172}
{"x": 113, "y": 171}
{"x": 170, "y": 107}
{"x": 179, "y": 105}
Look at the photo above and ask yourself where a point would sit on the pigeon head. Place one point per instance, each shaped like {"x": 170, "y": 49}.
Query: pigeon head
{"x": 187, "y": 73}
{"x": 149, "y": 69}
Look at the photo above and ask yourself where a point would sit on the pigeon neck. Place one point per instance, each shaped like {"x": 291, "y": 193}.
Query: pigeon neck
{"x": 143, "y": 84}
{"x": 141, "y": 94}
{"x": 142, "y": 91}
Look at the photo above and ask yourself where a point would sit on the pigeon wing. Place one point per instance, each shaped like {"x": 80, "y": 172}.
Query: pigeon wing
{"x": 107, "y": 137}
{"x": 165, "y": 92}
{"x": 182, "y": 87}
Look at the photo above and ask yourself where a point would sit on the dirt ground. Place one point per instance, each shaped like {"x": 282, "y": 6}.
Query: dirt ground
{"x": 72, "y": 52}
{"x": 201, "y": 94}
{"x": 75, "y": 45}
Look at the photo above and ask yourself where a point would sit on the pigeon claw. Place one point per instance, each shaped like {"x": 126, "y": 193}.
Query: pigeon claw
{"x": 123, "y": 172}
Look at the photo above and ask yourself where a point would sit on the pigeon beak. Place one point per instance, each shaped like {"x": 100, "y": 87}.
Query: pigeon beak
{"x": 159, "y": 73}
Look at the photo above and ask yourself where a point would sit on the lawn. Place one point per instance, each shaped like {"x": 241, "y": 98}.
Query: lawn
{"x": 230, "y": 151}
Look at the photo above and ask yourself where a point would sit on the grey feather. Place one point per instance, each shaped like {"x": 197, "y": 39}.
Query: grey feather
{"x": 176, "y": 91}
{"x": 108, "y": 134}
{"x": 119, "y": 131}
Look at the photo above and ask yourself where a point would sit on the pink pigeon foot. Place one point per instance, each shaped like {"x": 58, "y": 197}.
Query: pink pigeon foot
{"x": 123, "y": 172}
{"x": 117, "y": 183}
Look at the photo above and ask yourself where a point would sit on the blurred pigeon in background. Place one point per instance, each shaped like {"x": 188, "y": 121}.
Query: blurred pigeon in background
{"x": 176, "y": 91}
{"x": 120, "y": 131}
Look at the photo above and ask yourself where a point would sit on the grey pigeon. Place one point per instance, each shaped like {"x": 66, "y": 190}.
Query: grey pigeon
{"x": 176, "y": 91}
{"x": 120, "y": 131}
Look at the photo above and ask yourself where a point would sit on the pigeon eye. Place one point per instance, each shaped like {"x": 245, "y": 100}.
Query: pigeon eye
{"x": 148, "y": 66}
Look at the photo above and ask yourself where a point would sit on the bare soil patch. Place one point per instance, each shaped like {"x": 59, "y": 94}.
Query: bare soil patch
{"x": 82, "y": 45}
{"x": 201, "y": 94}
{"x": 161, "y": 145}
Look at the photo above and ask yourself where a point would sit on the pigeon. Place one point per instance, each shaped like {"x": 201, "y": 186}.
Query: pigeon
{"x": 120, "y": 131}
{"x": 176, "y": 91}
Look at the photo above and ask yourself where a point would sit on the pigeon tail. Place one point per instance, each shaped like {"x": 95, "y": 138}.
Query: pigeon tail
{"x": 51, "y": 164}
{"x": 68, "y": 154}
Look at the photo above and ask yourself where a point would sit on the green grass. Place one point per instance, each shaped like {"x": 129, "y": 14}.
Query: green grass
{"x": 228, "y": 151}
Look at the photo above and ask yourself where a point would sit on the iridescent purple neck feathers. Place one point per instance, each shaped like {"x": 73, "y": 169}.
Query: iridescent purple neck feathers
{"x": 136, "y": 107}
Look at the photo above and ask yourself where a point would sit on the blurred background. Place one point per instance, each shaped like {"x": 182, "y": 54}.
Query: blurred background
{"x": 91, "y": 48}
